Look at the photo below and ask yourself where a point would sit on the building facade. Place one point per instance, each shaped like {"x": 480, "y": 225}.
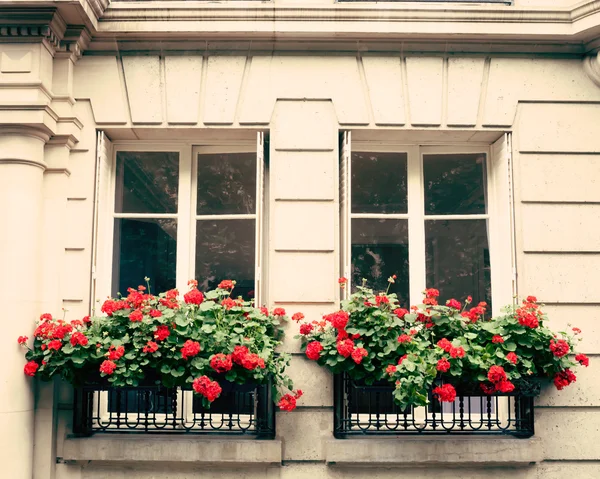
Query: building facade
{"x": 97, "y": 98}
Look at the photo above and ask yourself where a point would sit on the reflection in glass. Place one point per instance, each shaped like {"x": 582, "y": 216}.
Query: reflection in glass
{"x": 380, "y": 250}
{"x": 147, "y": 182}
{"x": 458, "y": 259}
{"x": 225, "y": 250}
{"x": 454, "y": 184}
{"x": 226, "y": 183}
{"x": 379, "y": 183}
{"x": 144, "y": 247}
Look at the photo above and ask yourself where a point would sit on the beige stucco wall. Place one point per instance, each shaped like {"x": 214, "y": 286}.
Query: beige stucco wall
{"x": 550, "y": 105}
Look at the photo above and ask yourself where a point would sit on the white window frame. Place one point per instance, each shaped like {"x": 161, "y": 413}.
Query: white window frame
{"x": 498, "y": 211}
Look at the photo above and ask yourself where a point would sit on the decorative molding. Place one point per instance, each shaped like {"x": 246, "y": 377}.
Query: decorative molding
{"x": 75, "y": 41}
{"x": 20, "y": 25}
{"x": 98, "y": 6}
{"x": 591, "y": 66}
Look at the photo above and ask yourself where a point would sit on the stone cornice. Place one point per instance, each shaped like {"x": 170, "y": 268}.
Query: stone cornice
{"x": 591, "y": 66}
{"x": 75, "y": 42}
{"x": 26, "y": 25}
{"x": 166, "y": 20}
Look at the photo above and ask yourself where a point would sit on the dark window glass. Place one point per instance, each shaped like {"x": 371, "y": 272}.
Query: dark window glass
{"x": 454, "y": 184}
{"x": 147, "y": 182}
{"x": 225, "y": 250}
{"x": 226, "y": 184}
{"x": 144, "y": 247}
{"x": 380, "y": 250}
{"x": 143, "y": 401}
{"x": 379, "y": 183}
{"x": 458, "y": 259}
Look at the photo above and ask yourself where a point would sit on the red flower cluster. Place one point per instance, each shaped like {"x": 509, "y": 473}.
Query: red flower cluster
{"x": 496, "y": 374}
{"x": 430, "y": 295}
{"x": 306, "y": 329}
{"x": 52, "y": 330}
{"x": 288, "y": 401}
{"x": 136, "y": 315}
{"x": 564, "y": 378}
{"x": 221, "y": 363}
{"x": 241, "y": 355}
{"x": 458, "y": 352}
{"x": 108, "y": 367}
{"x": 30, "y": 368}
{"x": 381, "y": 299}
{"x": 345, "y": 347}
{"x": 559, "y": 348}
{"x": 358, "y": 354}
{"x": 79, "y": 338}
{"x": 228, "y": 303}
{"x": 297, "y": 317}
{"x": 207, "y": 388}
{"x": 497, "y": 339}
{"x": 22, "y": 339}
{"x": 226, "y": 284}
{"x": 338, "y": 320}
{"x": 342, "y": 282}
{"x": 512, "y": 357}
{"x": 445, "y": 393}
{"x": 391, "y": 369}
{"x": 313, "y": 350}
{"x": 190, "y": 349}
{"x": 582, "y": 359}
{"x": 161, "y": 332}
{"x": 193, "y": 296}
{"x": 110, "y": 306}
{"x": 443, "y": 365}
{"x": 55, "y": 344}
{"x": 155, "y": 313}
{"x": 529, "y": 315}
{"x": 452, "y": 303}
{"x": 115, "y": 353}
{"x": 170, "y": 299}
{"x": 280, "y": 312}
{"x": 151, "y": 347}
{"x": 445, "y": 344}
{"x": 400, "y": 312}
{"x": 404, "y": 338}
{"x": 475, "y": 313}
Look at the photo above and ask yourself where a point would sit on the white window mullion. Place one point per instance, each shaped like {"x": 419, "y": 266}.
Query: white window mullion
{"x": 345, "y": 212}
{"x": 416, "y": 225}
{"x": 258, "y": 224}
{"x": 184, "y": 219}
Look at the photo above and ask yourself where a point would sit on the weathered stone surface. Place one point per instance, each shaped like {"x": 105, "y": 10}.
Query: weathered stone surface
{"x": 586, "y": 318}
{"x": 160, "y": 449}
{"x": 585, "y": 392}
{"x": 434, "y": 451}
{"x": 569, "y": 433}
{"x": 304, "y": 433}
{"x": 315, "y": 381}
{"x": 300, "y": 175}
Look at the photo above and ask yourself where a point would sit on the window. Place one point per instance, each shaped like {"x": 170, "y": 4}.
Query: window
{"x": 425, "y": 214}
{"x": 186, "y": 212}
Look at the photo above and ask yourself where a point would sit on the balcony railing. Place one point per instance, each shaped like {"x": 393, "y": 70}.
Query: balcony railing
{"x": 361, "y": 410}
{"x": 240, "y": 410}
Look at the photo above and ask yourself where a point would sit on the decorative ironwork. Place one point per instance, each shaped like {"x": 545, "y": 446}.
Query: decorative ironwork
{"x": 361, "y": 410}
{"x": 240, "y": 410}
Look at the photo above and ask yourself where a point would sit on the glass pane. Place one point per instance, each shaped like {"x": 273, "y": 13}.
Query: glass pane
{"x": 380, "y": 250}
{"x": 226, "y": 183}
{"x": 225, "y": 250}
{"x": 454, "y": 184}
{"x": 144, "y": 247}
{"x": 147, "y": 182}
{"x": 458, "y": 259}
{"x": 379, "y": 183}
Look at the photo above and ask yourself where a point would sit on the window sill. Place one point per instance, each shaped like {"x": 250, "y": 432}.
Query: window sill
{"x": 112, "y": 448}
{"x": 422, "y": 451}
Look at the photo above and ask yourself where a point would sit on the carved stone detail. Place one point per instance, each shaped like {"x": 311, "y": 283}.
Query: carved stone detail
{"x": 591, "y": 66}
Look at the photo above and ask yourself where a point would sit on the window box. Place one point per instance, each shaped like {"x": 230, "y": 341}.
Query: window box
{"x": 241, "y": 409}
{"x": 365, "y": 410}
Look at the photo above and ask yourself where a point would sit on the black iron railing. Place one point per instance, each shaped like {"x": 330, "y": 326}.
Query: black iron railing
{"x": 240, "y": 410}
{"x": 361, "y": 410}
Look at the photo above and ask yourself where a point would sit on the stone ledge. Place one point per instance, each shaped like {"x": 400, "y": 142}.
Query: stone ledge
{"x": 181, "y": 449}
{"x": 430, "y": 451}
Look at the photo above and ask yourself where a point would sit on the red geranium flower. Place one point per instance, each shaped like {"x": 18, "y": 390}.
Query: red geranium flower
{"x": 559, "y": 348}
{"x": 306, "y": 329}
{"x": 207, "y": 388}
{"x": 79, "y": 338}
{"x": 221, "y": 363}
{"x": 115, "y": 353}
{"x": 22, "y": 339}
{"x": 150, "y": 347}
{"x": 345, "y": 347}
{"x": 239, "y": 353}
{"x": 162, "y": 332}
{"x": 288, "y": 401}
{"x": 582, "y": 359}
{"x": 391, "y": 369}
{"x": 452, "y": 303}
{"x": 297, "y": 317}
{"x": 193, "y": 296}
{"x": 445, "y": 344}
{"x": 400, "y": 312}
{"x": 563, "y": 378}
{"x": 136, "y": 315}
{"x": 505, "y": 387}
{"x": 512, "y": 357}
{"x": 226, "y": 284}
{"x": 443, "y": 365}
{"x": 55, "y": 344}
{"x": 457, "y": 352}
{"x": 313, "y": 350}
{"x": 30, "y": 368}
{"x": 404, "y": 338}
{"x": 358, "y": 354}
{"x": 342, "y": 282}
{"x": 381, "y": 299}
{"x": 445, "y": 393}
{"x": 497, "y": 339}
{"x": 190, "y": 349}
{"x": 228, "y": 303}
{"x": 108, "y": 367}
{"x": 280, "y": 312}
{"x": 496, "y": 374}
{"x": 252, "y": 361}
{"x": 338, "y": 320}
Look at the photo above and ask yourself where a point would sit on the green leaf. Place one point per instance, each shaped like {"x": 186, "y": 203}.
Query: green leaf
{"x": 165, "y": 369}
{"x": 510, "y": 346}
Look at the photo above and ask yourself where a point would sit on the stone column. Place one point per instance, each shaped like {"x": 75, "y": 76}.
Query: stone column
{"x": 21, "y": 236}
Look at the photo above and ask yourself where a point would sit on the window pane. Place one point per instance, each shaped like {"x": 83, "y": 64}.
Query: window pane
{"x": 147, "y": 182}
{"x": 454, "y": 184}
{"x": 144, "y": 247}
{"x": 226, "y": 183}
{"x": 379, "y": 183}
{"x": 225, "y": 250}
{"x": 458, "y": 259}
{"x": 380, "y": 250}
